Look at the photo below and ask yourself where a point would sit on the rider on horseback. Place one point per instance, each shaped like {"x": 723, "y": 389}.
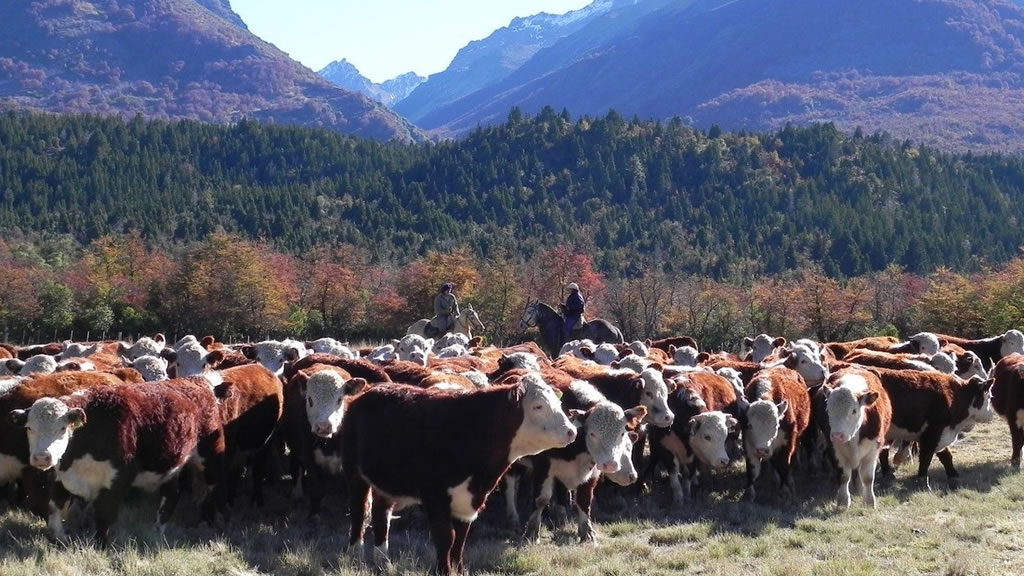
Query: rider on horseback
{"x": 446, "y": 308}
{"x": 573, "y": 310}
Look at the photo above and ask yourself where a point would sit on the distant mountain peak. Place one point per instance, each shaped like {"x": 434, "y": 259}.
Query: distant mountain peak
{"x": 345, "y": 74}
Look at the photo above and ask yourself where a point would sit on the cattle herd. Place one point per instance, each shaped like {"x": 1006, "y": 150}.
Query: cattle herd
{"x": 407, "y": 424}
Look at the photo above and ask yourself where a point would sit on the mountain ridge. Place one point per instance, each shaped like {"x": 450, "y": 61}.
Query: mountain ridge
{"x": 344, "y": 74}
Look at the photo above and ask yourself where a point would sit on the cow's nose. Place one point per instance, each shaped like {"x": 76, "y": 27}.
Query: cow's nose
{"x": 723, "y": 462}
{"x": 610, "y": 467}
{"x": 838, "y": 437}
{"x": 322, "y": 429}
{"x": 42, "y": 461}
{"x": 762, "y": 453}
{"x": 571, "y": 433}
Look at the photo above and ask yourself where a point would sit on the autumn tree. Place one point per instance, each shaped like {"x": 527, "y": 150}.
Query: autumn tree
{"x": 951, "y": 304}
{"x": 420, "y": 281}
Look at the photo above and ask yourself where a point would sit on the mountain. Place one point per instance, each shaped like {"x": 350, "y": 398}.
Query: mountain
{"x": 223, "y": 9}
{"x": 484, "y": 62}
{"x": 942, "y": 72}
{"x": 168, "y": 59}
{"x": 344, "y": 74}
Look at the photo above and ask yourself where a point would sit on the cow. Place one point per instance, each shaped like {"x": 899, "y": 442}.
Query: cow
{"x": 932, "y": 408}
{"x": 990, "y": 350}
{"x": 331, "y": 346}
{"x": 761, "y": 347}
{"x": 603, "y": 430}
{"x": 104, "y": 440}
{"x": 273, "y": 354}
{"x": 775, "y": 410}
{"x": 677, "y": 341}
{"x": 357, "y": 367}
{"x": 411, "y": 343}
{"x": 1008, "y": 400}
{"x": 705, "y": 408}
{"x": 76, "y": 350}
{"x": 445, "y": 449}
{"x": 806, "y": 361}
{"x": 859, "y": 415}
{"x": 877, "y": 343}
{"x": 144, "y": 346}
{"x": 893, "y": 361}
{"x": 191, "y": 358}
{"x": 51, "y": 349}
{"x": 315, "y": 404}
{"x": 152, "y": 368}
{"x": 38, "y": 364}
{"x": 250, "y": 416}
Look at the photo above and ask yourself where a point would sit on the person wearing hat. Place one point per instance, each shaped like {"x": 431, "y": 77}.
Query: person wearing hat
{"x": 573, "y": 308}
{"x": 446, "y": 308}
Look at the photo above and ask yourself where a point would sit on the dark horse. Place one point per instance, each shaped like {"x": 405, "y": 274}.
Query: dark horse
{"x": 549, "y": 322}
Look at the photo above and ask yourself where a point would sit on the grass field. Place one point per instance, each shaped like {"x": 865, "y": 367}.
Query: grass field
{"x": 978, "y": 529}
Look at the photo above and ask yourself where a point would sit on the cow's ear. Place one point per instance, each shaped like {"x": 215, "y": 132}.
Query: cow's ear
{"x": 634, "y": 416}
{"x": 207, "y": 341}
{"x": 782, "y": 406}
{"x": 577, "y": 417}
{"x": 703, "y": 357}
{"x": 638, "y": 383}
{"x": 615, "y": 364}
{"x": 76, "y": 417}
{"x": 223, "y": 390}
{"x": 657, "y": 366}
{"x": 125, "y": 362}
{"x": 299, "y": 380}
{"x": 626, "y": 352}
{"x": 633, "y": 436}
{"x": 748, "y": 341}
{"x": 355, "y": 386}
{"x": 587, "y": 352}
{"x": 430, "y": 343}
{"x": 213, "y": 359}
{"x": 672, "y": 349}
{"x": 825, "y": 391}
{"x": 249, "y": 351}
{"x": 649, "y": 343}
{"x": 121, "y": 348}
{"x": 517, "y": 392}
{"x": 159, "y": 338}
{"x": 18, "y": 417}
{"x": 65, "y": 344}
{"x": 290, "y": 354}
{"x": 868, "y": 398}
{"x": 169, "y": 355}
{"x": 731, "y": 423}
{"x": 780, "y": 341}
{"x": 694, "y": 426}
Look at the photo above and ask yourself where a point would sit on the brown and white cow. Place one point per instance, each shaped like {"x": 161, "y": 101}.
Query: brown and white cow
{"x": 315, "y": 404}
{"x": 878, "y": 343}
{"x": 103, "y": 441}
{"x": 775, "y": 410}
{"x": 990, "y": 350}
{"x": 761, "y": 347}
{"x": 705, "y": 408}
{"x": 144, "y": 346}
{"x": 1008, "y": 400}
{"x": 932, "y": 408}
{"x": 859, "y": 415}
{"x": 446, "y": 450}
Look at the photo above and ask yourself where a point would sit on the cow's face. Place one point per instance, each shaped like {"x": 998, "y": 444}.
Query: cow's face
{"x": 38, "y": 364}
{"x": 192, "y": 359}
{"x": 943, "y": 362}
{"x": 544, "y": 425}
{"x": 411, "y": 343}
{"x": 981, "y": 406}
{"x": 605, "y": 426}
{"x": 325, "y": 401}
{"x": 272, "y": 355}
{"x": 684, "y": 356}
{"x": 655, "y": 398}
{"x": 384, "y": 354}
{"x": 75, "y": 350}
{"x": 708, "y": 434}
{"x": 969, "y": 365}
{"x": 763, "y": 346}
{"x": 808, "y": 364}
{"x": 763, "y": 417}
{"x": 49, "y": 424}
{"x": 925, "y": 343}
{"x": 1013, "y": 343}
{"x": 152, "y": 368}
{"x": 846, "y": 406}
{"x": 605, "y": 354}
{"x": 144, "y": 346}
{"x": 627, "y": 473}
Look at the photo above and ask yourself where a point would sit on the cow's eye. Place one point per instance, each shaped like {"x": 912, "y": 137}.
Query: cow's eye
{"x": 538, "y": 408}
{"x": 707, "y": 437}
{"x": 310, "y": 402}
{"x": 853, "y": 412}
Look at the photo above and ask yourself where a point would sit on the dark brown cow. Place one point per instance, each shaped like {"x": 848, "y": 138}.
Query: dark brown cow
{"x": 990, "y": 350}
{"x": 445, "y": 449}
{"x": 103, "y": 441}
{"x": 706, "y": 411}
{"x": 1008, "y": 400}
{"x": 250, "y": 416}
{"x": 315, "y": 402}
{"x": 931, "y": 409}
{"x": 51, "y": 349}
{"x": 859, "y": 416}
{"x": 775, "y": 411}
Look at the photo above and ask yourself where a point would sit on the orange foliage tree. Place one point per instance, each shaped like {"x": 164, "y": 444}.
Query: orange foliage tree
{"x": 420, "y": 281}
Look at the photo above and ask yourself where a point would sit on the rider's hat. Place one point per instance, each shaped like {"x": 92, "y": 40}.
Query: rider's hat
{"x": 573, "y": 287}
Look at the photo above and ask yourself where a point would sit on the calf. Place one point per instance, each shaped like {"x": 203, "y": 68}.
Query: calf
{"x": 859, "y": 415}
{"x": 273, "y": 354}
{"x": 38, "y": 364}
{"x": 315, "y": 404}
{"x": 144, "y": 346}
{"x": 990, "y": 350}
{"x": 762, "y": 347}
{"x": 445, "y": 449}
{"x": 603, "y": 430}
{"x": 775, "y": 410}
{"x": 105, "y": 440}
{"x": 1008, "y": 400}
{"x": 932, "y": 408}
{"x": 705, "y": 408}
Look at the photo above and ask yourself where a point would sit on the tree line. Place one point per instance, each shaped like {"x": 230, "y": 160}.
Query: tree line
{"x": 724, "y": 205}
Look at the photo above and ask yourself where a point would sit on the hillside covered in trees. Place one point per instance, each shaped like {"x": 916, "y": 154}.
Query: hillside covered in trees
{"x": 711, "y": 203}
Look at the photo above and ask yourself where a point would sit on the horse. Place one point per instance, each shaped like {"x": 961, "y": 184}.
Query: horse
{"x": 465, "y": 323}
{"x": 550, "y": 323}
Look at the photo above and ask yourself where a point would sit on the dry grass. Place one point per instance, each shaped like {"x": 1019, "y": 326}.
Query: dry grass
{"x": 977, "y": 530}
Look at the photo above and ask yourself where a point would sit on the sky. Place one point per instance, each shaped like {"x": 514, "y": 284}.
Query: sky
{"x": 384, "y": 38}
